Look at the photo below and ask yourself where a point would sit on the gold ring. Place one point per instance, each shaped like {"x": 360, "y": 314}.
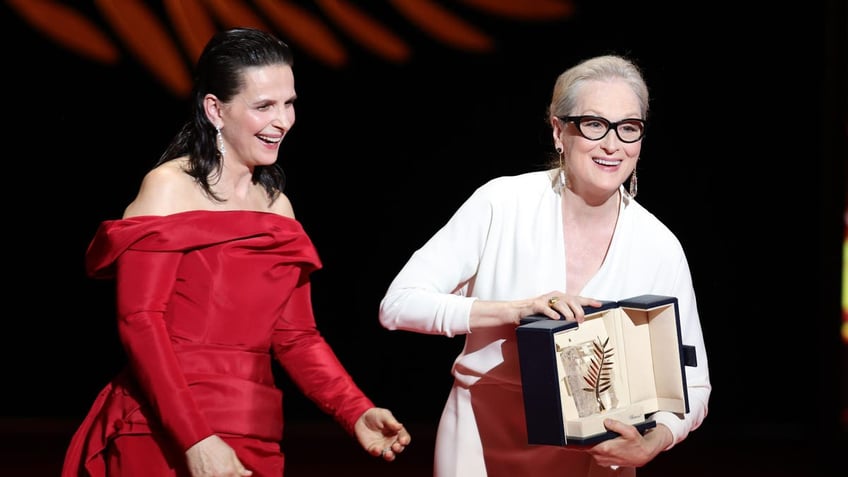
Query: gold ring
{"x": 552, "y": 301}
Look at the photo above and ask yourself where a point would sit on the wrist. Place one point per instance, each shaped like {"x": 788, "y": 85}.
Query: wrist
{"x": 660, "y": 438}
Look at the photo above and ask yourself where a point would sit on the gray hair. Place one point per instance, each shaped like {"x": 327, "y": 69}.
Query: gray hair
{"x": 607, "y": 67}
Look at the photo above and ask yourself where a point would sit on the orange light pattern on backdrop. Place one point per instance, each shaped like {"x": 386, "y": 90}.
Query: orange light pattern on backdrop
{"x": 146, "y": 34}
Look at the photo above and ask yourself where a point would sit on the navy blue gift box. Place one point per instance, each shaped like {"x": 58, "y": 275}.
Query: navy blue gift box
{"x": 646, "y": 371}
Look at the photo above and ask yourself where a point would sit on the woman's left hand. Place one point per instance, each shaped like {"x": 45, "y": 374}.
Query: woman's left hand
{"x": 630, "y": 449}
{"x": 381, "y": 434}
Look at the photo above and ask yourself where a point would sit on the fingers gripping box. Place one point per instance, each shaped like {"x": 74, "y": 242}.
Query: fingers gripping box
{"x": 624, "y": 362}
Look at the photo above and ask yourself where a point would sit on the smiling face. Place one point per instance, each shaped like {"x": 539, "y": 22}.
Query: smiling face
{"x": 255, "y": 121}
{"x": 596, "y": 169}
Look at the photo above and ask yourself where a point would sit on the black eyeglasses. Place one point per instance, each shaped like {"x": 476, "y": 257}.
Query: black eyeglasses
{"x": 594, "y": 128}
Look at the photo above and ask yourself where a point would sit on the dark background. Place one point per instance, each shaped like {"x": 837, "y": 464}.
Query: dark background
{"x": 744, "y": 160}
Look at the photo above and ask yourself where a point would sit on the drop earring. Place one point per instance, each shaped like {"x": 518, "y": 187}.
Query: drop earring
{"x": 561, "y": 167}
{"x": 634, "y": 184}
{"x": 220, "y": 140}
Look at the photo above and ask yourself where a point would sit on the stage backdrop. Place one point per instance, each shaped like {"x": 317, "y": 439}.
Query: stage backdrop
{"x": 404, "y": 108}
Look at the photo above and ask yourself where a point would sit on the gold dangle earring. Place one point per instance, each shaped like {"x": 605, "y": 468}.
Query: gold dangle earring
{"x": 634, "y": 184}
{"x": 561, "y": 167}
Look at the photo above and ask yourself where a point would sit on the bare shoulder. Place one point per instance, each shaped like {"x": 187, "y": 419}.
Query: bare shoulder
{"x": 283, "y": 206}
{"x": 164, "y": 190}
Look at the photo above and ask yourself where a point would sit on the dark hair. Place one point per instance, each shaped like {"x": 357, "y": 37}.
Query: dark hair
{"x": 219, "y": 71}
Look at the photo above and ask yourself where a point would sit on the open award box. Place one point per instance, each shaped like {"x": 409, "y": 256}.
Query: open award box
{"x": 624, "y": 362}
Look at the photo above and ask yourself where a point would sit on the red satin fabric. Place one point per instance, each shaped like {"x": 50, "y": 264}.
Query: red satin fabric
{"x": 205, "y": 300}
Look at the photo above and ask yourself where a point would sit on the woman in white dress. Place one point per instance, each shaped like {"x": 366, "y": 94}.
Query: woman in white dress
{"x": 549, "y": 242}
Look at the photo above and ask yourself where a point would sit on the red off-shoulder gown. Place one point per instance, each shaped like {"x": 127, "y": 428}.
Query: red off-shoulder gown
{"x": 205, "y": 301}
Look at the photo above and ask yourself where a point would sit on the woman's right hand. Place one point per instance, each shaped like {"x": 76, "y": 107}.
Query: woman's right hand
{"x": 555, "y": 305}
{"x": 212, "y": 457}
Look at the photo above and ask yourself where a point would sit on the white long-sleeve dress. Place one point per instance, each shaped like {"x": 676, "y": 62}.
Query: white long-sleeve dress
{"x": 506, "y": 243}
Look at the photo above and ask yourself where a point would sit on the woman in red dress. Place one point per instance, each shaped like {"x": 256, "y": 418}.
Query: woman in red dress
{"x": 212, "y": 275}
